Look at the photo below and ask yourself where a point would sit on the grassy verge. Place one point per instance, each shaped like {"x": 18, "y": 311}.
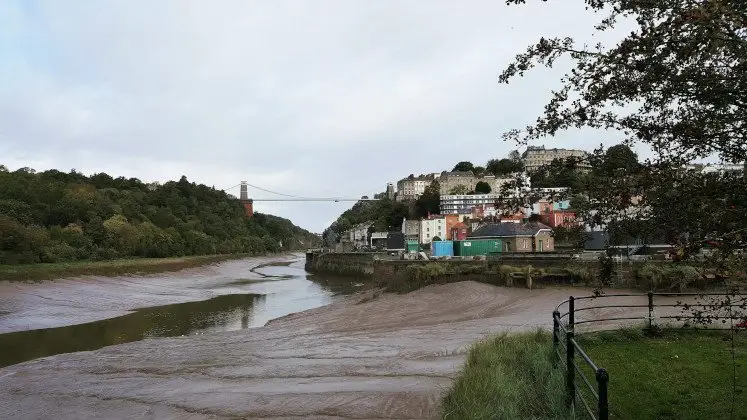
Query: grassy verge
{"x": 508, "y": 377}
{"x": 683, "y": 374}
{"x": 36, "y": 272}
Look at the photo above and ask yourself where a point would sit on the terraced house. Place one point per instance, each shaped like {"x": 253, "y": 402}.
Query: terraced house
{"x": 518, "y": 237}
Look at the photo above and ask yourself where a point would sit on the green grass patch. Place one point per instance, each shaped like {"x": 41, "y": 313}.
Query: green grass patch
{"x": 683, "y": 374}
{"x": 37, "y": 272}
{"x": 508, "y": 377}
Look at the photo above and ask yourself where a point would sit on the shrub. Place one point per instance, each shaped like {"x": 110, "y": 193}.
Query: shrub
{"x": 665, "y": 277}
{"x": 58, "y": 252}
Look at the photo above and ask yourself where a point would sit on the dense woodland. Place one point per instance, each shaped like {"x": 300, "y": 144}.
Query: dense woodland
{"x": 54, "y": 216}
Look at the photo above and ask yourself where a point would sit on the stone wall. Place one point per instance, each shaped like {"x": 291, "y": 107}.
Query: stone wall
{"x": 346, "y": 264}
{"x": 384, "y": 271}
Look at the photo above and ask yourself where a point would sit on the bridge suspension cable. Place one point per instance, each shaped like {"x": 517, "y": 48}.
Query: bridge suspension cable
{"x": 291, "y": 197}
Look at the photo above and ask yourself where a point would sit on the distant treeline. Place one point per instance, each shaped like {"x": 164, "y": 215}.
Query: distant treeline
{"x": 53, "y": 216}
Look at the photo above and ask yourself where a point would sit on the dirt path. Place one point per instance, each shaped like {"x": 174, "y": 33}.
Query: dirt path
{"x": 386, "y": 358}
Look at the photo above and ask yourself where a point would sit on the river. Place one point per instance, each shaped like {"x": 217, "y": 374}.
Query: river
{"x": 322, "y": 353}
{"x": 234, "y": 295}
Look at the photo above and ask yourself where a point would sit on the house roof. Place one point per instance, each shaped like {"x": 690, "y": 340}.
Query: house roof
{"x": 457, "y": 174}
{"x": 596, "y": 240}
{"x": 509, "y": 229}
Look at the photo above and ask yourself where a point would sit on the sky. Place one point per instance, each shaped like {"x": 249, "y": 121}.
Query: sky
{"x": 313, "y": 98}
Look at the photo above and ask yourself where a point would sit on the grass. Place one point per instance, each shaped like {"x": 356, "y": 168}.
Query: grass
{"x": 37, "y": 272}
{"x": 683, "y": 374}
{"x": 508, "y": 377}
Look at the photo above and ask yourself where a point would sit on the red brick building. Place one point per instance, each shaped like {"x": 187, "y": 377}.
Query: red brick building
{"x": 458, "y": 232}
{"x": 555, "y": 218}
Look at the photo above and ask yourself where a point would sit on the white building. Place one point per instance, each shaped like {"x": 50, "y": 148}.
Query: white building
{"x": 537, "y": 156}
{"x": 450, "y": 180}
{"x": 717, "y": 168}
{"x": 358, "y": 235}
{"x": 435, "y": 226}
{"x": 463, "y": 204}
{"x": 412, "y": 188}
{"x": 411, "y": 229}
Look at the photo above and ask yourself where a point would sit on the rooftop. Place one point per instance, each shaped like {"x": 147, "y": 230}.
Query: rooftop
{"x": 509, "y": 229}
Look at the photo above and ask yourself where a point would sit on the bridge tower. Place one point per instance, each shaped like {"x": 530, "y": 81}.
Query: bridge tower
{"x": 246, "y": 201}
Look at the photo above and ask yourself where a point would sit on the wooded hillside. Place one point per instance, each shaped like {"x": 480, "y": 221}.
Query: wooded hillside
{"x": 53, "y": 216}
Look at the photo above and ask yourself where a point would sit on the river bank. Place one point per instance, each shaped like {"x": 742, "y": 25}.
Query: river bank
{"x": 368, "y": 355}
{"x": 38, "y": 272}
{"x": 83, "y": 299}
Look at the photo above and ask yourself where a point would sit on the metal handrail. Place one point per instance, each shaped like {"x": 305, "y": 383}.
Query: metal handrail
{"x": 584, "y": 355}
{"x": 586, "y": 406}
{"x": 586, "y": 381}
{"x": 572, "y": 347}
{"x": 586, "y": 308}
{"x": 618, "y": 318}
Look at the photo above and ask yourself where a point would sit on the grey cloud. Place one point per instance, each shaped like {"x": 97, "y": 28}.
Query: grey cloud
{"x": 310, "y": 98}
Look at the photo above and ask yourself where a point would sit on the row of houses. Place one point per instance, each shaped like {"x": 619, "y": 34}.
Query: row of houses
{"x": 412, "y": 187}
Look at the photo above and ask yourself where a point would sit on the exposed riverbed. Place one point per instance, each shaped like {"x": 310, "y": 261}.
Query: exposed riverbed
{"x": 47, "y": 318}
{"x": 360, "y": 356}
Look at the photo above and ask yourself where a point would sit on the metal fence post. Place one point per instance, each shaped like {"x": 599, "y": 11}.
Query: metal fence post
{"x": 570, "y": 377}
{"x": 571, "y": 313}
{"x": 650, "y": 309}
{"x": 555, "y": 339}
{"x": 603, "y": 379}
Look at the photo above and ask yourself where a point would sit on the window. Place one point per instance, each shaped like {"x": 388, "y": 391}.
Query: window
{"x": 526, "y": 243}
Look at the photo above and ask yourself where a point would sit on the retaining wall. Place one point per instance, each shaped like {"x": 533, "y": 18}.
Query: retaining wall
{"x": 343, "y": 263}
{"x": 384, "y": 271}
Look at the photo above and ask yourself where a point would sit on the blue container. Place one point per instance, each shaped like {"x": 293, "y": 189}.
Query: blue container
{"x": 443, "y": 248}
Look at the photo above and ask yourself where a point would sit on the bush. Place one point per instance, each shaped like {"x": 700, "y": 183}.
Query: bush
{"x": 666, "y": 277}
{"x": 58, "y": 252}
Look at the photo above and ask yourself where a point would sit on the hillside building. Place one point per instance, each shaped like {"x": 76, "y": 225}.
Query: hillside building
{"x": 537, "y": 156}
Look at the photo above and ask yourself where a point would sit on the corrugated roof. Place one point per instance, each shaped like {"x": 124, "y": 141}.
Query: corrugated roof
{"x": 508, "y": 229}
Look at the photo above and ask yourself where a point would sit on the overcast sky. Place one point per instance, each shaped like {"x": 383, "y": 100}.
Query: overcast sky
{"x": 313, "y": 98}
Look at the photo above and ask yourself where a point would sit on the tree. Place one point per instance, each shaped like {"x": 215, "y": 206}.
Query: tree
{"x": 678, "y": 77}
{"x": 618, "y": 160}
{"x": 53, "y": 216}
{"x": 459, "y": 189}
{"x": 430, "y": 201}
{"x": 478, "y": 170}
{"x": 463, "y": 166}
{"x": 534, "y": 217}
{"x": 500, "y": 167}
{"x": 675, "y": 83}
{"x": 572, "y": 236}
{"x": 559, "y": 173}
{"x": 482, "y": 187}
{"x": 514, "y": 156}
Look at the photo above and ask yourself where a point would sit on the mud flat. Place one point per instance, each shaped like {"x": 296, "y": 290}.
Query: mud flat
{"x": 365, "y": 356}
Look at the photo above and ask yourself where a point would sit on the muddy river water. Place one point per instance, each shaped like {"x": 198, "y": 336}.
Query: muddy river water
{"x": 253, "y": 338}
{"x": 238, "y": 295}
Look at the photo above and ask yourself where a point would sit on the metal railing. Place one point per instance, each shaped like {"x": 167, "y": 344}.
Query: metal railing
{"x": 564, "y": 338}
